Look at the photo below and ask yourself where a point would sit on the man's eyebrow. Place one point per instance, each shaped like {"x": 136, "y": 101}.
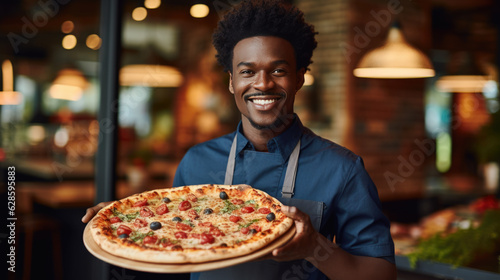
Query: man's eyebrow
{"x": 250, "y": 64}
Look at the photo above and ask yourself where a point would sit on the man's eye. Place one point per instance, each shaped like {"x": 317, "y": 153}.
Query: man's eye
{"x": 279, "y": 72}
{"x": 246, "y": 72}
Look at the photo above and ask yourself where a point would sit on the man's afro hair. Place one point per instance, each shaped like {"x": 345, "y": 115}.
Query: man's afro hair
{"x": 264, "y": 18}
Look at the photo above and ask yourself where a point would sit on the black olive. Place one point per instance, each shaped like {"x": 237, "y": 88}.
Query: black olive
{"x": 223, "y": 245}
{"x": 155, "y": 225}
{"x": 208, "y": 211}
{"x": 270, "y": 217}
{"x": 177, "y": 219}
{"x": 253, "y": 231}
{"x": 223, "y": 195}
{"x": 166, "y": 200}
{"x": 124, "y": 235}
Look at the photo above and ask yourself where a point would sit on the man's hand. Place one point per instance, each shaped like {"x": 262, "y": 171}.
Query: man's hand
{"x": 93, "y": 210}
{"x": 303, "y": 243}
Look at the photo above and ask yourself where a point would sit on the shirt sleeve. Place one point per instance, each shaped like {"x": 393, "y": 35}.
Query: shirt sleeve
{"x": 362, "y": 228}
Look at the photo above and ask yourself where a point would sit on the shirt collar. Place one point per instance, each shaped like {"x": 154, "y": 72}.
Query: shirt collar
{"x": 282, "y": 144}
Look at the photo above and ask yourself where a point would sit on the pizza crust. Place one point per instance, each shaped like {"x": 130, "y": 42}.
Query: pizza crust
{"x": 104, "y": 236}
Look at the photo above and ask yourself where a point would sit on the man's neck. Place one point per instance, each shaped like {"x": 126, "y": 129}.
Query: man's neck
{"x": 260, "y": 137}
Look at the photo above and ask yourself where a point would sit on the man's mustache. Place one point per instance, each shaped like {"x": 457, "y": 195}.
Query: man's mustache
{"x": 248, "y": 96}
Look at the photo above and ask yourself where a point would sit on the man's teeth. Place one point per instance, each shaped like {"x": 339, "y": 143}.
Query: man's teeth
{"x": 263, "y": 101}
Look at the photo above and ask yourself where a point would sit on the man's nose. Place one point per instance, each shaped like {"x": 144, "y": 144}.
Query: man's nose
{"x": 263, "y": 81}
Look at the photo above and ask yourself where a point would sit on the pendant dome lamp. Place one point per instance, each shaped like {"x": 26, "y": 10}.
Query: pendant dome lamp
{"x": 396, "y": 59}
{"x": 7, "y": 95}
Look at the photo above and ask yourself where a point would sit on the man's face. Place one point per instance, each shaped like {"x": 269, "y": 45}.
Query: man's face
{"x": 264, "y": 80}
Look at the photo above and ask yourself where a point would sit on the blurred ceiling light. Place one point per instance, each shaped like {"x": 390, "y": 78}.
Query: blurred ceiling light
{"x": 199, "y": 10}
{"x": 150, "y": 75}
{"x": 93, "y": 42}
{"x": 8, "y": 96}
{"x": 69, "y": 42}
{"x": 396, "y": 59}
{"x": 308, "y": 79}
{"x": 68, "y": 85}
{"x": 466, "y": 77}
{"x": 67, "y": 26}
{"x": 36, "y": 134}
{"x": 139, "y": 13}
{"x": 152, "y": 4}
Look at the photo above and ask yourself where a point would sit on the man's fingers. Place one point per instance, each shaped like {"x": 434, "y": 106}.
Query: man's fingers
{"x": 90, "y": 213}
{"x": 294, "y": 213}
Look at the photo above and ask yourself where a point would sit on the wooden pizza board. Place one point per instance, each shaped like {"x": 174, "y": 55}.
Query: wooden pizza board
{"x": 95, "y": 250}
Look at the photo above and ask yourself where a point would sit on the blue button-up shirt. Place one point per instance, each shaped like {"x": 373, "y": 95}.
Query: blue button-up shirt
{"x": 326, "y": 172}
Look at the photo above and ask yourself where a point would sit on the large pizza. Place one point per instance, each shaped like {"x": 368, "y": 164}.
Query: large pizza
{"x": 190, "y": 224}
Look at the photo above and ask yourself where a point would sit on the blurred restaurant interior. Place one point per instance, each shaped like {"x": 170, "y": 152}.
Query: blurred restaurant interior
{"x": 430, "y": 142}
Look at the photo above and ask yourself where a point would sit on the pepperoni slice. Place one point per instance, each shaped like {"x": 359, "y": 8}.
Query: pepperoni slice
{"x": 234, "y": 218}
{"x": 146, "y": 212}
{"x": 247, "y": 209}
{"x": 115, "y": 220}
{"x": 141, "y": 203}
{"x": 264, "y": 210}
{"x": 162, "y": 209}
{"x": 185, "y": 205}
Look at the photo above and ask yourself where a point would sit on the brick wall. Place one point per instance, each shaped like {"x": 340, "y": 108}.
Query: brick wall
{"x": 381, "y": 120}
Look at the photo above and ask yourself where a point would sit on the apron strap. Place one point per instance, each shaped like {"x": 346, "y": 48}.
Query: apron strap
{"x": 230, "y": 162}
{"x": 291, "y": 172}
{"x": 291, "y": 169}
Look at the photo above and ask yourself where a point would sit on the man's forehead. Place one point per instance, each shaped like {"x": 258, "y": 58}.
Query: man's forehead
{"x": 271, "y": 49}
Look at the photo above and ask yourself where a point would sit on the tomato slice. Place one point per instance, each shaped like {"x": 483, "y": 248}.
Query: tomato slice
{"x": 115, "y": 220}
{"x": 247, "y": 209}
{"x": 191, "y": 197}
{"x": 122, "y": 229}
{"x": 162, "y": 209}
{"x": 264, "y": 210}
{"x": 207, "y": 238}
{"x": 185, "y": 205}
{"x": 146, "y": 212}
{"x": 150, "y": 239}
{"x": 192, "y": 214}
{"x": 234, "y": 218}
{"x": 237, "y": 201}
{"x": 141, "y": 203}
{"x": 183, "y": 226}
{"x": 245, "y": 230}
{"x": 140, "y": 223}
{"x": 180, "y": 235}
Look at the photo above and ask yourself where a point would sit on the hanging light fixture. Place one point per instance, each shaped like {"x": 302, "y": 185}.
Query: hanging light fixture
{"x": 396, "y": 59}
{"x": 8, "y": 96}
{"x": 68, "y": 85}
{"x": 150, "y": 75}
{"x": 463, "y": 76}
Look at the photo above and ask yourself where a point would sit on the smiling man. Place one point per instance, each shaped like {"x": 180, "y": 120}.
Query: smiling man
{"x": 265, "y": 47}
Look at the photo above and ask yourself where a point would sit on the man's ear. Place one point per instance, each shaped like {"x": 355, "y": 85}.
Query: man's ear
{"x": 300, "y": 78}
{"x": 231, "y": 89}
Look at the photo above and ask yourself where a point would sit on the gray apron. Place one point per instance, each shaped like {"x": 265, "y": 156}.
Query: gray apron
{"x": 269, "y": 269}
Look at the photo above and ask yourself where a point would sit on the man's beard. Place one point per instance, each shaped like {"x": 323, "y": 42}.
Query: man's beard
{"x": 277, "y": 126}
